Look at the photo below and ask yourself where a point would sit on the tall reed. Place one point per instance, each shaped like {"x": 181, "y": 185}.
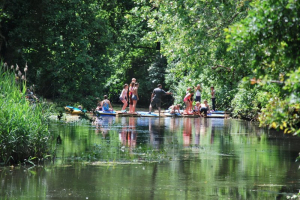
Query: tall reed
{"x": 23, "y": 128}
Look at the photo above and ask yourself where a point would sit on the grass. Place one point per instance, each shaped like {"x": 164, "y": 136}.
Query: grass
{"x": 24, "y": 131}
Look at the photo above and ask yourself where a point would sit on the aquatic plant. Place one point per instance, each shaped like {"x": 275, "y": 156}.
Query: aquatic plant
{"x": 23, "y": 129}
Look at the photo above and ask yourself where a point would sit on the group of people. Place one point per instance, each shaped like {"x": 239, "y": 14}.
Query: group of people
{"x": 199, "y": 108}
{"x": 130, "y": 95}
{"x": 130, "y": 92}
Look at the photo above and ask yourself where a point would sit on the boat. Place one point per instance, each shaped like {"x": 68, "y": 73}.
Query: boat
{"x": 74, "y": 111}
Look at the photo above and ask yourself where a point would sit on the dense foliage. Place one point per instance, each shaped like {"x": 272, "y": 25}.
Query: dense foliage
{"x": 23, "y": 129}
{"x": 271, "y": 34}
{"x": 80, "y": 50}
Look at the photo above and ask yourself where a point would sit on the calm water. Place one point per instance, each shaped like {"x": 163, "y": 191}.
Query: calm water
{"x": 152, "y": 158}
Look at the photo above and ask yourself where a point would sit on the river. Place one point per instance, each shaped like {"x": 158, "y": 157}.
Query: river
{"x": 159, "y": 158}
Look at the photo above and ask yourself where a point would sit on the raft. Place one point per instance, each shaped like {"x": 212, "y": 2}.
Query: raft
{"x": 74, "y": 111}
{"x": 110, "y": 113}
{"x": 125, "y": 114}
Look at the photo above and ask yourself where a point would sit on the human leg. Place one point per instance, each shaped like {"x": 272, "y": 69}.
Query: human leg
{"x": 154, "y": 102}
{"x": 191, "y": 106}
{"x": 186, "y": 106}
{"x": 134, "y": 99}
{"x": 134, "y": 105}
{"x": 124, "y": 104}
{"x": 213, "y": 101}
{"x": 130, "y": 104}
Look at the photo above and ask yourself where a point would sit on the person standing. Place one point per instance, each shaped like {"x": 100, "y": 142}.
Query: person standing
{"x": 131, "y": 86}
{"x": 135, "y": 96}
{"x": 124, "y": 97}
{"x": 213, "y": 97}
{"x": 198, "y": 93}
{"x": 156, "y": 97}
{"x": 130, "y": 96}
{"x": 188, "y": 103}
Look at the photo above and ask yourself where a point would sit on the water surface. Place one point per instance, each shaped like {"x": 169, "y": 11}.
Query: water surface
{"x": 160, "y": 158}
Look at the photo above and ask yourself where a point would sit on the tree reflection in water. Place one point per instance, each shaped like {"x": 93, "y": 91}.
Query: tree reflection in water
{"x": 157, "y": 157}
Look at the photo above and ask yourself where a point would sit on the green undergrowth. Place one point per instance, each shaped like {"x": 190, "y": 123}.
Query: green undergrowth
{"x": 24, "y": 133}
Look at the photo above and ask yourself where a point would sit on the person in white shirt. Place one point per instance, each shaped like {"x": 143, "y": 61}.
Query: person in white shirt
{"x": 198, "y": 93}
{"x": 124, "y": 97}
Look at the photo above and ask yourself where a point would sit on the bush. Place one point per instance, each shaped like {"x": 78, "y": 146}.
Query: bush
{"x": 284, "y": 112}
{"x": 248, "y": 101}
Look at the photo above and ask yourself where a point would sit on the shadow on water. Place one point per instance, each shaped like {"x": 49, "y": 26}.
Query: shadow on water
{"x": 160, "y": 158}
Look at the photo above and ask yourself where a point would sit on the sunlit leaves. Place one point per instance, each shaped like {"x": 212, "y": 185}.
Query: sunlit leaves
{"x": 271, "y": 33}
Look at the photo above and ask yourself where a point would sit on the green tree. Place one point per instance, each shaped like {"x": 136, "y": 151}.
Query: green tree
{"x": 64, "y": 42}
{"x": 193, "y": 41}
{"x": 271, "y": 33}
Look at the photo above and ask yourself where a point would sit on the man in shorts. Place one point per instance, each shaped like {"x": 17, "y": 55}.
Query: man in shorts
{"x": 156, "y": 98}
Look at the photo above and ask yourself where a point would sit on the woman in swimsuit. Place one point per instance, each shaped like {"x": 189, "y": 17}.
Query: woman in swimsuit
{"x": 135, "y": 96}
{"x": 187, "y": 100}
{"x": 124, "y": 97}
{"x": 130, "y": 96}
{"x": 106, "y": 106}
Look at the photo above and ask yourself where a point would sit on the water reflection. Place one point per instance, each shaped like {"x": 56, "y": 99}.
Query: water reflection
{"x": 103, "y": 125}
{"x": 156, "y": 132}
{"x": 197, "y": 125}
{"x": 187, "y": 132}
{"x": 128, "y": 132}
{"x": 161, "y": 158}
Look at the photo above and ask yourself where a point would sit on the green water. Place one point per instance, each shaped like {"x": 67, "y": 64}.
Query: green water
{"x": 152, "y": 158}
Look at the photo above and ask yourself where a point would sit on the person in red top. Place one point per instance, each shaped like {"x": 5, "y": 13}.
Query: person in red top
{"x": 188, "y": 103}
{"x": 130, "y": 96}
